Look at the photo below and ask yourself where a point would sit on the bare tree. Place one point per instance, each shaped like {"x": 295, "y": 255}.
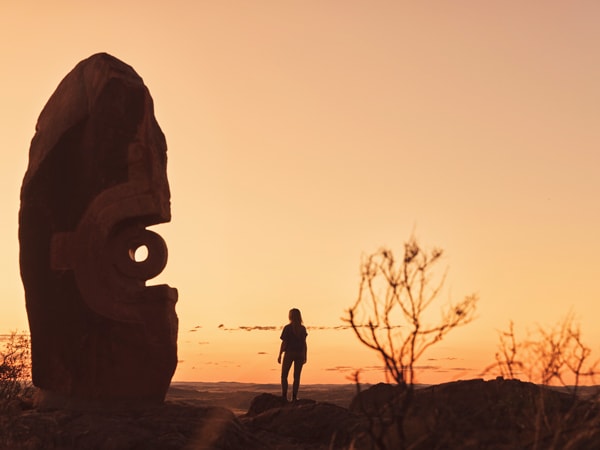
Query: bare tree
{"x": 389, "y": 315}
{"x": 554, "y": 356}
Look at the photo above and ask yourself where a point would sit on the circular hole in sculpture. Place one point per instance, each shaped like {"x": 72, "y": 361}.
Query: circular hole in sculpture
{"x": 139, "y": 254}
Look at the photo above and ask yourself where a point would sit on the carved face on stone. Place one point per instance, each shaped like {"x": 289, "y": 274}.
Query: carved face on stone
{"x": 96, "y": 179}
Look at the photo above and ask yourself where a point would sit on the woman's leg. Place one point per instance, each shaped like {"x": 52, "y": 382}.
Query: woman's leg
{"x": 285, "y": 370}
{"x": 298, "y": 363}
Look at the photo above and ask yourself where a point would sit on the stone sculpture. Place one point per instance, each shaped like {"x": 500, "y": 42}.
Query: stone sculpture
{"x": 96, "y": 179}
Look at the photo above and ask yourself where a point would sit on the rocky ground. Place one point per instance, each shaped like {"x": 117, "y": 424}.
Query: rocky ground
{"x": 474, "y": 414}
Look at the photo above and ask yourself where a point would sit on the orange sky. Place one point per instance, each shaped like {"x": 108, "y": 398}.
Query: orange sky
{"x": 303, "y": 135}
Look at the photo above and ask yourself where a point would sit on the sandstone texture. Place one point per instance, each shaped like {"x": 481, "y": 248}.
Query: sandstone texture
{"x": 96, "y": 179}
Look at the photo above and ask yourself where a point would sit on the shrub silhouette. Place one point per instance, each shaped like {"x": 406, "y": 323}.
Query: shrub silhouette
{"x": 390, "y": 317}
{"x": 15, "y": 370}
{"x": 555, "y": 356}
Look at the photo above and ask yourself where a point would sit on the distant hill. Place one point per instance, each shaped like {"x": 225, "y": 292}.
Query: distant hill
{"x": 238, "y": 396}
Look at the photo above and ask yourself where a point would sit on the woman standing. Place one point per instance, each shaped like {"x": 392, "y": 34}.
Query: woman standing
{"x": 293, "y": 344}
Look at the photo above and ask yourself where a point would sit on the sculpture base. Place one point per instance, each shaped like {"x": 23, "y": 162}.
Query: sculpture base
{"x": 45, "y": 400}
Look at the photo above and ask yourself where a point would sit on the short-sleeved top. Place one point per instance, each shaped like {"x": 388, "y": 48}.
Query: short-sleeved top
{"x": 294, "y": 342}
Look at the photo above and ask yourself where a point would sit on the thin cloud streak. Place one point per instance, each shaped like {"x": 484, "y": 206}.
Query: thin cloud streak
{"x": 310, "y": 328}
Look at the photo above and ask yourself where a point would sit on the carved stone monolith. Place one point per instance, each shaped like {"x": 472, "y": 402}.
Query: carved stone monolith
{"x": 96, "y": 179}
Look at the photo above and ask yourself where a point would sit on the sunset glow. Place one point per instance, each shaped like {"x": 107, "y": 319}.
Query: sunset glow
{"x": 303, "y": 135}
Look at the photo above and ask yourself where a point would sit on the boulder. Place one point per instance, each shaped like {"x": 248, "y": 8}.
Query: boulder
{"x": 305, "y": 423}
{"x": 96, "y": 179}
{"x": 264, "y": 402}
{"x": 376, "y": 398}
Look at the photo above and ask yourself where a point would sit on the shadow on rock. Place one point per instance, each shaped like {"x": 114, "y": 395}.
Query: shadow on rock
{"x": 169, "y": 427}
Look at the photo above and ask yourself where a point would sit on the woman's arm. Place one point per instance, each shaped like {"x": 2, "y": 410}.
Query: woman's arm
{"x": 281, "y": 350}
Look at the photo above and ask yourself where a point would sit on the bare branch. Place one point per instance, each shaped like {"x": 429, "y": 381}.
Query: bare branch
{"x": 393, "y": 292}
{"x": 554, "y": 355}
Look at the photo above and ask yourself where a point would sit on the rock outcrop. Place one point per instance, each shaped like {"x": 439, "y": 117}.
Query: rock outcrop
{"x": 166, "y": 427}
{"x": 472, "y": 414}
{"x": 96, "y": 179}
{"x": 305, "y": 423}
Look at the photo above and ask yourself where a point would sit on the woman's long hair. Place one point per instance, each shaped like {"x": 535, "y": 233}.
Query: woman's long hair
{"x": 296, "y": 321}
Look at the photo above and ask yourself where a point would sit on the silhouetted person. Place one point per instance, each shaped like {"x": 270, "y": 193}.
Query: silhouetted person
{"x": 293, "y": 345}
